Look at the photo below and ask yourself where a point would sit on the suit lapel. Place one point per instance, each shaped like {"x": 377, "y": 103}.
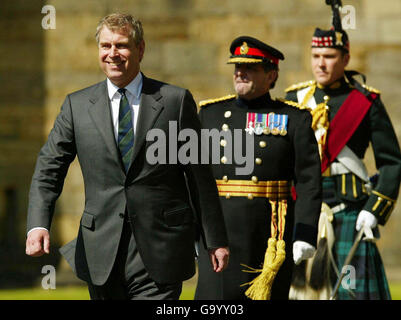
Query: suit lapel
{"x": 149, "y": 110}
{"x": 100, "y": 113}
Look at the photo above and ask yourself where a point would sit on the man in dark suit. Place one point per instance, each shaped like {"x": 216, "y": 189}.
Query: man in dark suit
{"x": 137, "y": 232}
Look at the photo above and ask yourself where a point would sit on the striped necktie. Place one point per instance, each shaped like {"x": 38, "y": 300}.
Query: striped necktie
{"x": 125, "y": 130}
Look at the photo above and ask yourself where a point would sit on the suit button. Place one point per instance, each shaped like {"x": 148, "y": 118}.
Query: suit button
{"x": 250, "y": 196}
{"x": 225, "y": 178}
{"x": 225, "y": 127}
{"x": 258, "y": 161}
{"x": 228, "y": 196}
{"x": 121, "y": 215}
{"x": 227, "y": 114}
{"x": 255, "y": 179}
{"x": 223, "y": 160}
{"x": 262, "y": 144}
{"x": 223, "y": 142}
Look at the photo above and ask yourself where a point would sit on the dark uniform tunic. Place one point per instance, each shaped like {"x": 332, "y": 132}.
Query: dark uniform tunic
{"x": 348, "y": 190}
{"x": 291, "y": 157}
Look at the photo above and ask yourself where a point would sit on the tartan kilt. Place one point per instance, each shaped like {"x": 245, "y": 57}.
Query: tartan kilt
{"x": 370, "y": 278}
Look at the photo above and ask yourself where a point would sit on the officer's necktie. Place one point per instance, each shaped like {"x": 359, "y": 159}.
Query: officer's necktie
{"x": 125, "y": 130}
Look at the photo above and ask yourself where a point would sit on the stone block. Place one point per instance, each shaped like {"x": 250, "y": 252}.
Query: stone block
{"x": 153, "y": 58}
{"x": 374, "y": 9}
{"x": 142, "y": 9}
{"x": 390, "y": 30}
{"x": 182, "y": 58}
{"x": 222, "y": 30}
{"x": 385, "y": 61}
{"x": 165, "y": 28}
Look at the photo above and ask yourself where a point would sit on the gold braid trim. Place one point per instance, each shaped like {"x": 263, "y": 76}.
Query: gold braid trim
{"x": 383, "y": 196}
{"x": 300, "y": 85}
{"x": 244, "y": 60}
{"x": 260, "y": 287}
{"x": 320, "y": 117}
{"x": 294, "y": 104}
{"x": 371, "y": 89}
{"x": 309, "y": 94}
{"x": 210, "y": 101}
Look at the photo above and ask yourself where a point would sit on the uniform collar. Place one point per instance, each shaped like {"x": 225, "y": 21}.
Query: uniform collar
{"x": 336, "y": 85}
{"x": 258, "y": 102}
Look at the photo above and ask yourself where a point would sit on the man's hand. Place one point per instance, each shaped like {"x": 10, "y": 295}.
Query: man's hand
{"x": 367, "y": 219}
{"x": 37, "y": 243}
{"x": 302, "y": 250}
{"x": 219, "y": 258}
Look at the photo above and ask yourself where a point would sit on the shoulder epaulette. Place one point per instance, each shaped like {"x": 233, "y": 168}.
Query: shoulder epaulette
{"x": 294, "y": 104}
{"x": 210, "y": 101}
{"x": 300, "y": 85}
{"x": 371, "y": 89}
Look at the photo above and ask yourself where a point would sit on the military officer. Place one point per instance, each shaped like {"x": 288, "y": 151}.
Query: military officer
{"x": 347, "y": 116}
{"x": 258, "y": 207}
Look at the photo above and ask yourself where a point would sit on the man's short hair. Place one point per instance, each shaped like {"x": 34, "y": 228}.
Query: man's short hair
{"x": 269, "y": 67}
{"x": 121, "y": 21}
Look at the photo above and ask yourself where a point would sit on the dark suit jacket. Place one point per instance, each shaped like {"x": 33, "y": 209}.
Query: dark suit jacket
{"x": 165, "y": 202}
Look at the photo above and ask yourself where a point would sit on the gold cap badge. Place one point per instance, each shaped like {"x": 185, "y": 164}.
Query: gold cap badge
{"x": 339, "y": 37}
{"x": 244, "y": 48}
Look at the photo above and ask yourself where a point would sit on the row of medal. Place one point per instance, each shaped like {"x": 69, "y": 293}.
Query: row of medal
{"x": 266, "y": 123}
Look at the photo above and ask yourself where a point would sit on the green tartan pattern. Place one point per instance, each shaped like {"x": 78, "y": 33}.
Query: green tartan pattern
{"x": 370, "y": 280}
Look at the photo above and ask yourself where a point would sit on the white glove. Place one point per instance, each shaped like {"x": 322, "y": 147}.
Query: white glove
{"x": 365, "y": 218}
{"x": 302, "y": 250}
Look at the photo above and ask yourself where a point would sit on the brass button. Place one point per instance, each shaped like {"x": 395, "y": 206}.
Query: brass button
{"x": 223, "y": 160}
{"x": 228, "y": 196}
{"x": 250, "y": 196}
{"x": 326, "y": 98}
{"x": 227, "y": 114}
{"x": 262, "y": 144}
{"x": 225, "y": 178}
{"x": 225, "y": 127}
{"x": 255, "y": 179}
{"x": 258, "y": 161}
{"x": 223, "y": 142}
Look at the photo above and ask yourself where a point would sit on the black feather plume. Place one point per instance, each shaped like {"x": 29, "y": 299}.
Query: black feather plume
{"x": 335, "y": 8}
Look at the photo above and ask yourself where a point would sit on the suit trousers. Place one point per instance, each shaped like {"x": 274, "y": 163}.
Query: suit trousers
{"x": 129, "y": 279}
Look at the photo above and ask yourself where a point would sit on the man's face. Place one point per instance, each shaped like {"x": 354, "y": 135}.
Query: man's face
{"x": 328, "y": 64}
{"x": 251, "y": 81}
{"x": 119, "y": 57}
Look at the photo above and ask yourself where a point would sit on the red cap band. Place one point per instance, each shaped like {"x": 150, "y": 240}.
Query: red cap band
{"x": 257, "y": 52}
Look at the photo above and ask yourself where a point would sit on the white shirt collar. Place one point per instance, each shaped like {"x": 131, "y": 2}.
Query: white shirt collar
{"x": 134, "y": 87}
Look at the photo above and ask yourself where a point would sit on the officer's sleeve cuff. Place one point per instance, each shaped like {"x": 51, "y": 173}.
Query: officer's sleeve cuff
{"x": 305, "y": 232}
{"x": 380, "y": 205}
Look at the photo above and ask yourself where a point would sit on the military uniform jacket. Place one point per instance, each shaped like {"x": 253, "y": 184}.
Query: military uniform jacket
{"x": 292, "y": 157}
{"x": 375, "y": 128}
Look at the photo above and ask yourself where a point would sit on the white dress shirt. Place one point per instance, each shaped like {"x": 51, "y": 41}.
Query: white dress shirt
{"x": 133, "y": 94}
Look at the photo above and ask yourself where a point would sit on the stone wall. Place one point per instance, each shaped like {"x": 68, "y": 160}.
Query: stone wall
{"x": 186, "y": 44}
